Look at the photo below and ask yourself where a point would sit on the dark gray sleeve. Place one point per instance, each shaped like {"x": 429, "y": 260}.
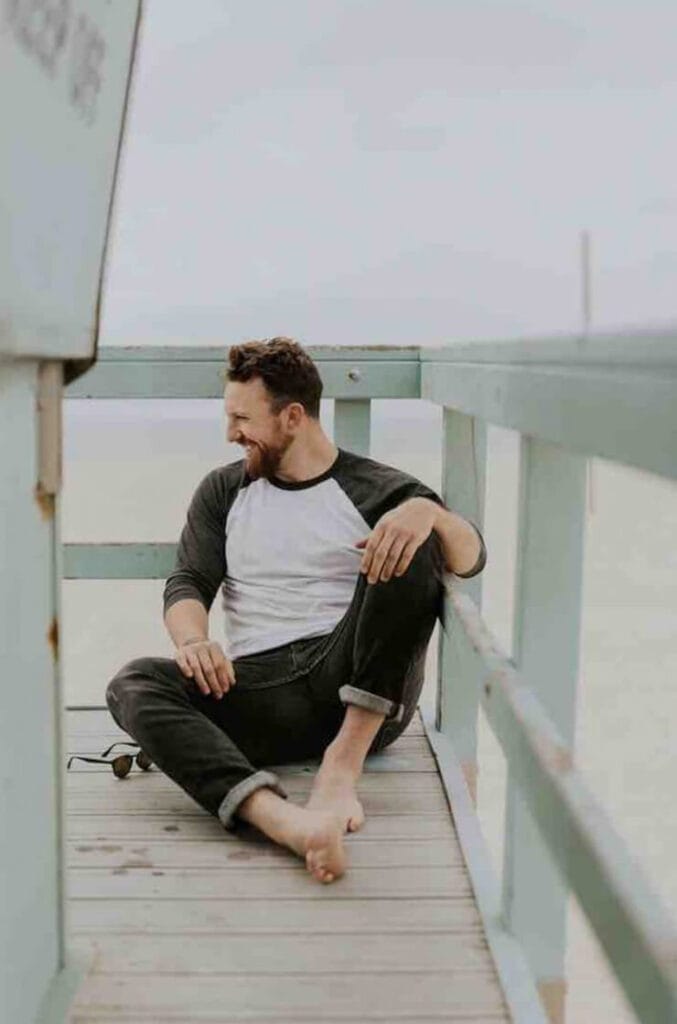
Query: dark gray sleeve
{"x": 201, "y": 556}
{"x": 421, "y": 491}
{"x": 481, "y": 558}
{"x": 375, "y": 488}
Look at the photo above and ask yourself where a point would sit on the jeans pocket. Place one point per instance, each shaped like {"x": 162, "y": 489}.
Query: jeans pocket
{"x": 258, "y": 671}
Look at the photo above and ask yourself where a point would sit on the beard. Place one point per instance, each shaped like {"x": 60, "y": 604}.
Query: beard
{"x": 264, "y": 459}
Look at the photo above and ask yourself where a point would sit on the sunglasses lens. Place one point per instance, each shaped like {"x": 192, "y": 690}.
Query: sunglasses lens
{"x": 122, "y": 765}
{"x": 143, "y": 761}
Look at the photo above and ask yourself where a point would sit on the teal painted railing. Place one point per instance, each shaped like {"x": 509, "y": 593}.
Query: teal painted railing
{"x": 613, "y": 396}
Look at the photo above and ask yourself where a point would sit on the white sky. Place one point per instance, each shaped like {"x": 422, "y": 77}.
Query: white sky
{"x": 395, "y": 171}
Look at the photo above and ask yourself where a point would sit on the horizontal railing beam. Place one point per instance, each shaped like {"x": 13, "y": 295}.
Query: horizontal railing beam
{"x": 203, "y": 378}
{"x": 655, "y": 349}
{"x": 630, "y": 417}
{"x": 118, "y": 561}
{"x": 631, "y": 924}
{"x": 219, "y": 353}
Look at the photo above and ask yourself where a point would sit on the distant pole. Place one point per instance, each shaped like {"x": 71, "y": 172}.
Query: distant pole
{"x": 586, "y": 312}
{"x": 586, "y": 285}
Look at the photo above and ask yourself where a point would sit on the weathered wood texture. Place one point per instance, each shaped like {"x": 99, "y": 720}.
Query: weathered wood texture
{"x": 179, "y": 920}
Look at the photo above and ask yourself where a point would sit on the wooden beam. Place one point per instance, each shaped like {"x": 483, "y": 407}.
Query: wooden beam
{"x": 634, "y": 929}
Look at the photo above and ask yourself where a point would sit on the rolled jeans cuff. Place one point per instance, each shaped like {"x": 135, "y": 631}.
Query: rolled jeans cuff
{"x": 372, "y": 702}
{"x": 237, "y": 794}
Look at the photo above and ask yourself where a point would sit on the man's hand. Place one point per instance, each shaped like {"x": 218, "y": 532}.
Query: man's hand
{"x": 205, "y": 661}
{"x": 395, "y": 539}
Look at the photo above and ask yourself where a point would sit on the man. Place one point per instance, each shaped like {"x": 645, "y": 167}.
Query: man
{"x": 331, "y": 567}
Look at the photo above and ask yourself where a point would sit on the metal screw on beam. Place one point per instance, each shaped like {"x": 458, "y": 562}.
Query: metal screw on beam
{"x": 354, "y": 375}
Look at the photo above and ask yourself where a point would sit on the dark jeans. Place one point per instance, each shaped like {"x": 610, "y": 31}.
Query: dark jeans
{"x": 288, "y": 702}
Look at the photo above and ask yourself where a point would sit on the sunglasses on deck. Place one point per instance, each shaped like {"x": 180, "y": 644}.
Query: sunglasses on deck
{"x": 121, "y": 763}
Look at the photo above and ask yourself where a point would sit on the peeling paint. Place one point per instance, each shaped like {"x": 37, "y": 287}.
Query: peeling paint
{"x": 53, "y": 637}
{"x": 45, "y": 502}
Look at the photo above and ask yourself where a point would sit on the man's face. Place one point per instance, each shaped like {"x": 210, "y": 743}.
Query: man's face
{"x": 252, "y": 424}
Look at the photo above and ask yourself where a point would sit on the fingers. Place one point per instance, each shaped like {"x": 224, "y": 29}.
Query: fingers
{"x": 403, "y": 562}
{"x": 388, "y": 554}
{"x": 378, "y": 559}
{"x": 205, "y": 662}
{"x": 393, "y": 557}
{"x": 220, "y": 668}
{"x": 182, "y": 662}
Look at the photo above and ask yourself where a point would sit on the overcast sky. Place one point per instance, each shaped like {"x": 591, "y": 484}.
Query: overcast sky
{"x": 395, "y": 171}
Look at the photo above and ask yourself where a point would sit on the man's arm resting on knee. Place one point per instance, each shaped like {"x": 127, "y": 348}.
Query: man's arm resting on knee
{"x": 464, "y": 550}
{"x": 187, "y": 623}
{"x": 393, "y": 542}
{"x": 187, "y": 620}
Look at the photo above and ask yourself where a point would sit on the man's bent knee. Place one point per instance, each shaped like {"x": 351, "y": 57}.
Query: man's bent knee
{"x": 130, "y": 685}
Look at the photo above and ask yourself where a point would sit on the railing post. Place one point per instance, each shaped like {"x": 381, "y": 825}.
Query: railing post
{"x": 546, "y": 640}
{"x": 463, "y": 489}
{"x": 352, "y": 424}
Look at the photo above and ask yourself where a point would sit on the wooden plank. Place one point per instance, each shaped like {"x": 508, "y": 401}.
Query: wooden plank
{"x": 151, "y": 792}
{"x": 482, "y": 1018}
{"x": 631, "y": 923}
{"x": 464, "y": 472}
{"x": 178, "y": 804}
{"x": 103, "y": 783}
{"x": 120, "y": 561}
{"x": 640, "y": 347}
{"x": 183, "y": 379}
{"x": 548, "y": 587}
{"x": 32, "y": 927}
{"x": 352, "y": 425}
{"x": 287, "y": 881}
{"x": 209, "y": 854}
{"x": 136, "y": 827}
{"x": 99, "y": 721}
{"x": 621, "y": 414}
{"x": 369, "y": 997}
{"x": 219, "y": 353}
{"x": 519, "y": 990}
{"x": 388, "y": 761}
{"x": 266, "y": 955}
{"x": 220, "y": 916}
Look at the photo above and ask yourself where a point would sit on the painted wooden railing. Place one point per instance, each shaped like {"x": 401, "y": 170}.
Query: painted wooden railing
{"x": 613, "y": 396}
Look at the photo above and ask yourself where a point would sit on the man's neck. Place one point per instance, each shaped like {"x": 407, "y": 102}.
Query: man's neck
{"x": 307, "y": 457}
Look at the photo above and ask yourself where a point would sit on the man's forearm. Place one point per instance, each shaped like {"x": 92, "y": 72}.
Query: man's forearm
{"x": 461, "y": 544}
{"x": 187, "y": 619}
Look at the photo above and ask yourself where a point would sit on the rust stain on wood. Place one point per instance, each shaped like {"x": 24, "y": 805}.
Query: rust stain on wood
{"x": 53, "y": 638}
{"x": 45, "y": 502}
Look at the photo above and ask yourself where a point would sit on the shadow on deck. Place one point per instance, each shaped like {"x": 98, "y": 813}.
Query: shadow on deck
{"x": 179, "y": 920}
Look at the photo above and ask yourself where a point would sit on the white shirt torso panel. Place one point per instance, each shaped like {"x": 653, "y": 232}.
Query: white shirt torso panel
{"x": 292, "y": 563}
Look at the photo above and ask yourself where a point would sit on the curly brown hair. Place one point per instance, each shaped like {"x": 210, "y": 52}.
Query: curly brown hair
{"x": 286, "y": 369}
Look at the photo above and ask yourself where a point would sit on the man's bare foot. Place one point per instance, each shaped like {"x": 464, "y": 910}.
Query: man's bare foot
{"x": 334, "y": 793}
{"x": 315, "y": 835}
{"x": 318, "y": 838}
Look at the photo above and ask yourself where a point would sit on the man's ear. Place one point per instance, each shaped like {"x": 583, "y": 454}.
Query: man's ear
{"x": 295, "y": 415}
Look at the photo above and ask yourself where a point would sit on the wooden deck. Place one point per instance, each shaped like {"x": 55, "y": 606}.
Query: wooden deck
{"x": 182, "y": 921}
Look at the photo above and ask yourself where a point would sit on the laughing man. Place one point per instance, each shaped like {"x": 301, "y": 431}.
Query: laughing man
{"x": 331, "y": 567}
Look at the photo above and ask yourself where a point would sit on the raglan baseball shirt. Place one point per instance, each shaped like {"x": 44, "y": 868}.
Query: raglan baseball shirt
{"x": 284, "y": 552}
